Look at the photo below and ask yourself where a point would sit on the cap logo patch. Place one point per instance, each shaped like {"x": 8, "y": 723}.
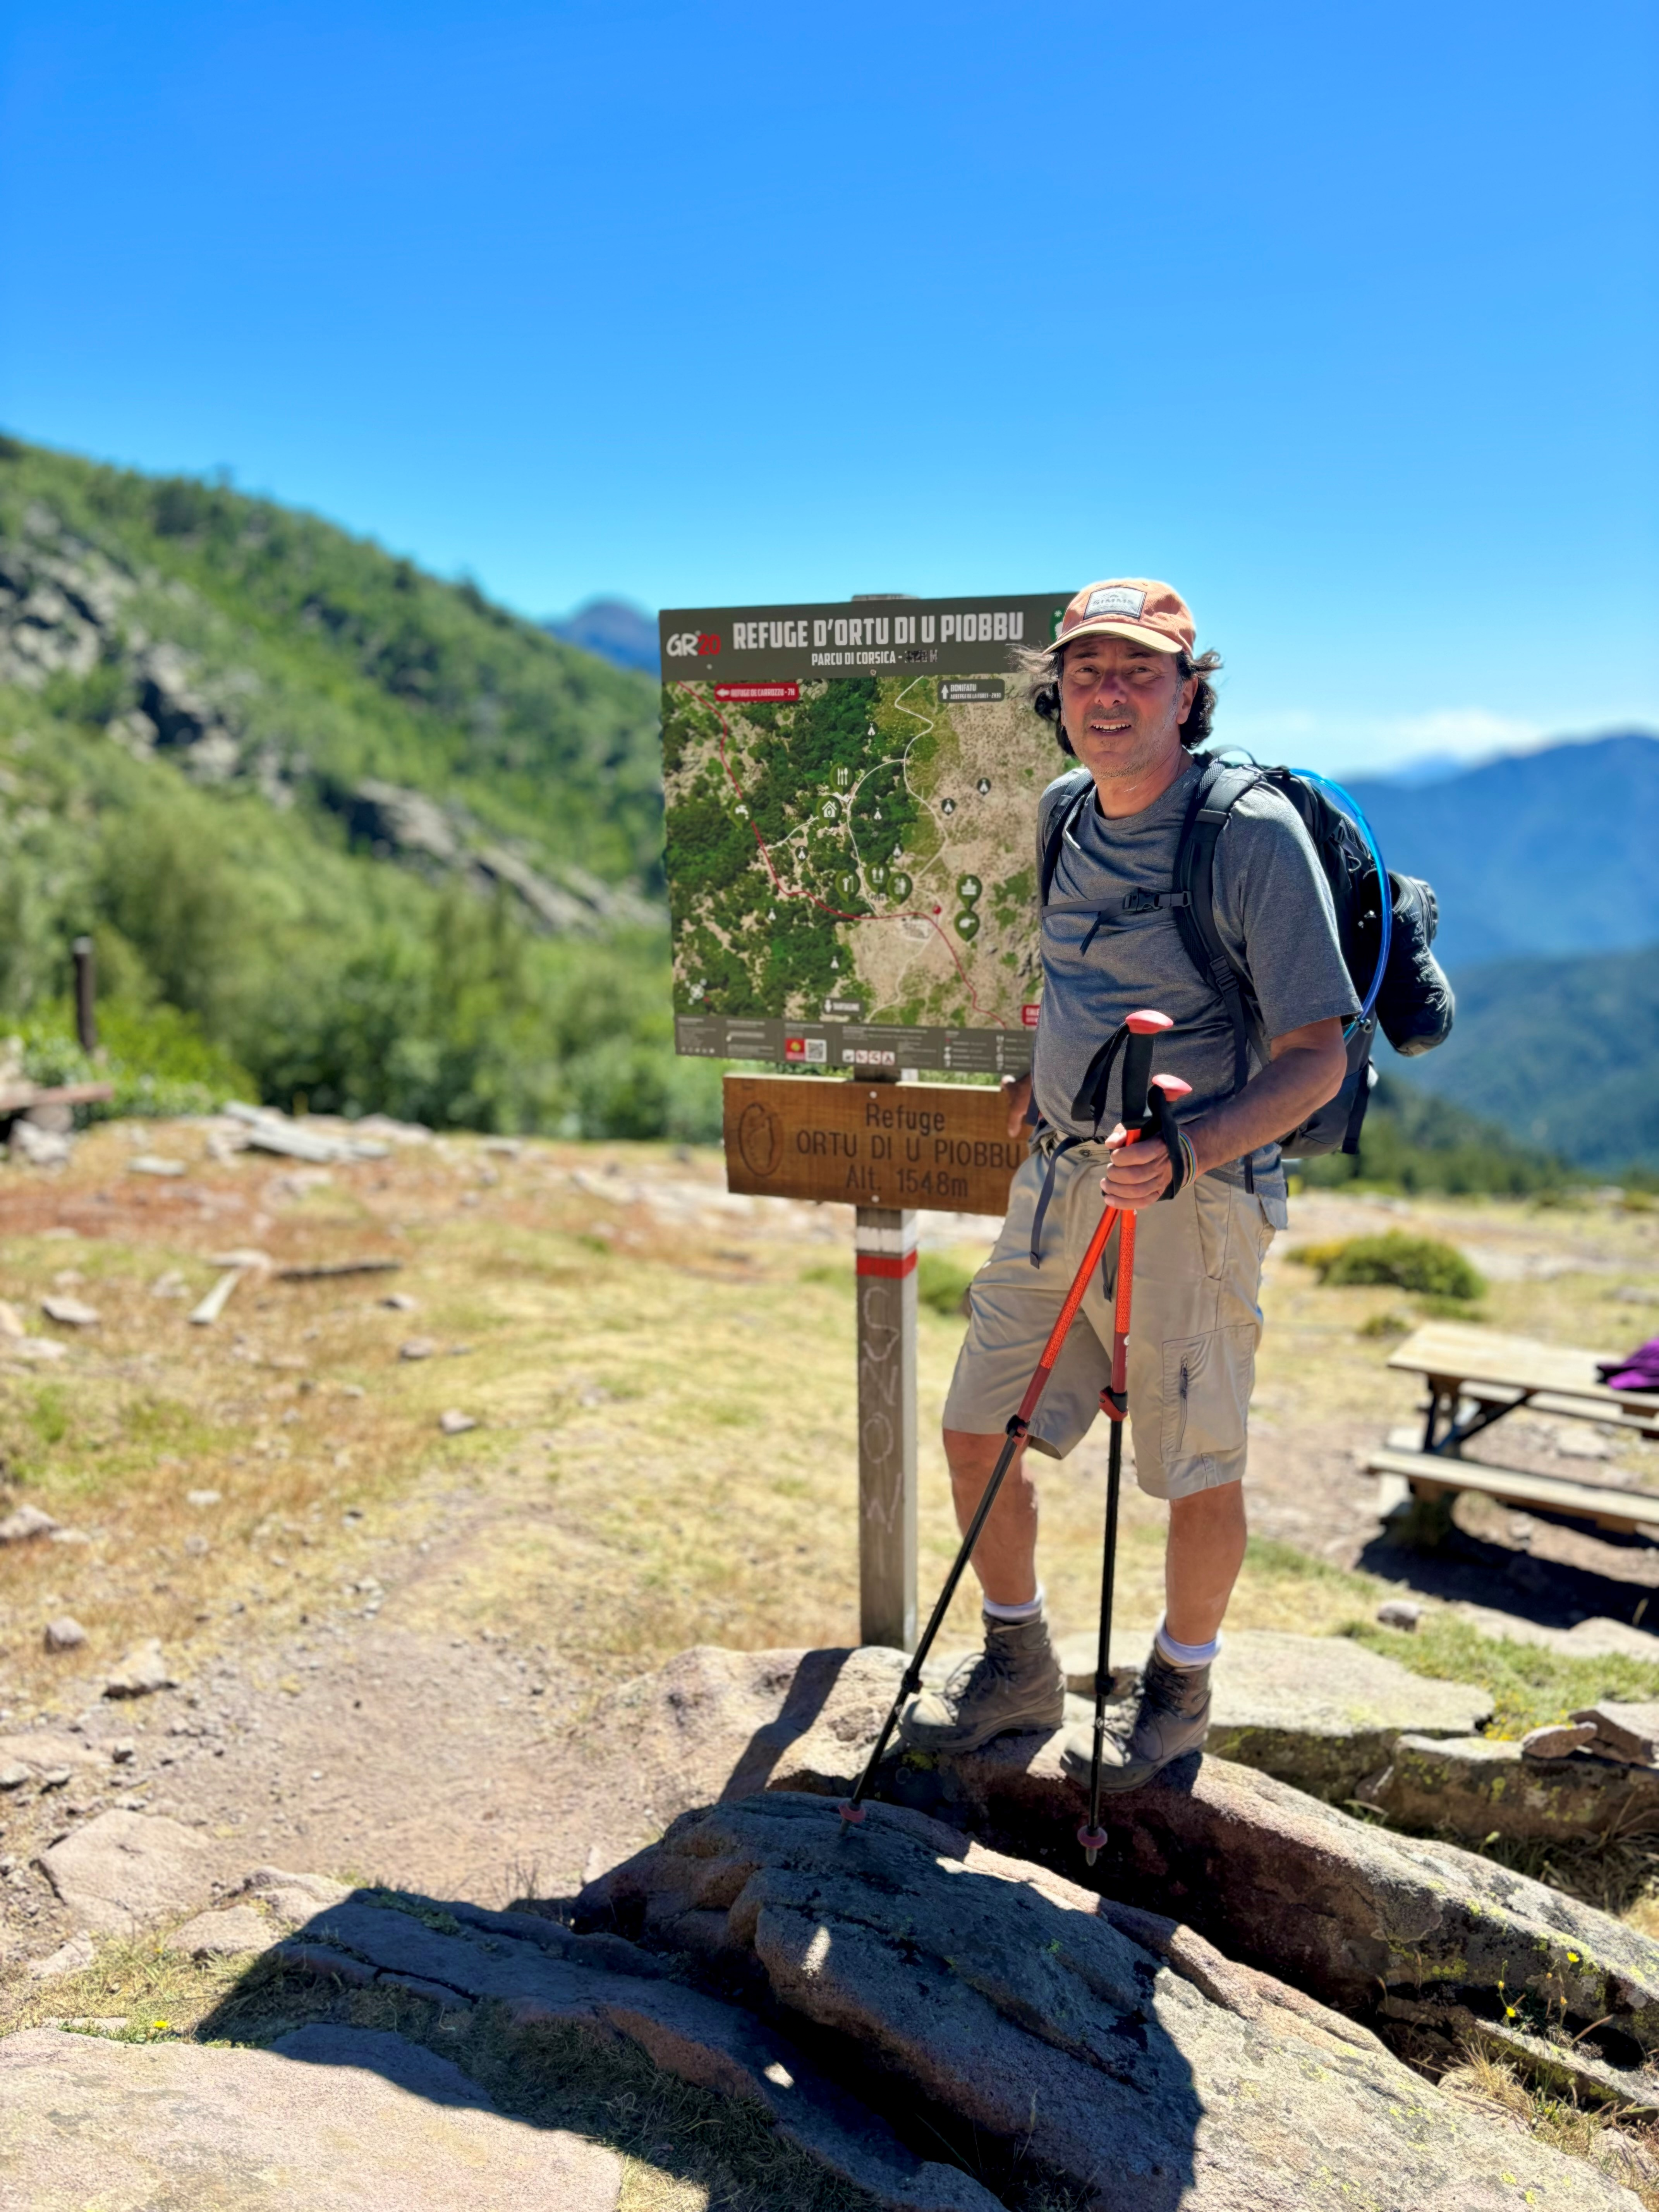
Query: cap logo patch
{"x": 1115, "y": 600}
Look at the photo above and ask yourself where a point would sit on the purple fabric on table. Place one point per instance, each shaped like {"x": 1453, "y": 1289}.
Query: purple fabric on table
{"x": 1639, "y": 1371}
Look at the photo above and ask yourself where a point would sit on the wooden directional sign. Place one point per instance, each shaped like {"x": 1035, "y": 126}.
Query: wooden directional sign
{"x": 934, "y": 1145}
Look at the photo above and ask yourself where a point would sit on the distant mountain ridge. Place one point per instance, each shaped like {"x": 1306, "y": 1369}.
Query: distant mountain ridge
{"x": 616, "y": 629}
{"x": 1555, "y": 851}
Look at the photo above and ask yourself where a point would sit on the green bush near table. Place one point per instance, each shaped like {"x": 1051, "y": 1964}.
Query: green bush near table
{"x": 1422, "y": 1264}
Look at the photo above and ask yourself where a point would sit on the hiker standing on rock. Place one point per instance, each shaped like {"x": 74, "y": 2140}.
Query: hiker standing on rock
{"x": 1129, "y": 702}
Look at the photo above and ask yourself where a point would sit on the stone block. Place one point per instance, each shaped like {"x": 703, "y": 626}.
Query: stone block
{"x": 1629, "y": 1732}
{"x": 1477, "y": 1788}
{"x": 341, "y": 2120}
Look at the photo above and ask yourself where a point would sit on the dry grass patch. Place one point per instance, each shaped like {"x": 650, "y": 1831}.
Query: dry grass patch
{"x": 1626, "y": 2150}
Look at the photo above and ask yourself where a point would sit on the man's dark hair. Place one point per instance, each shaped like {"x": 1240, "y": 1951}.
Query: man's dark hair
{"x": 1042, "y": 675}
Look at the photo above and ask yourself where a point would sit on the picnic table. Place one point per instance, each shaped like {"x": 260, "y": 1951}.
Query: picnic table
{"x": 1475, "y": 1377}
{"x": 20, "y": 1098}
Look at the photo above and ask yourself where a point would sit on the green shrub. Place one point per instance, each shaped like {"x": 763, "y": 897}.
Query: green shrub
{"x": 1409, "y": 1263}
{"x": 156, "y": 1057}
{"x": 942, "y": 1283}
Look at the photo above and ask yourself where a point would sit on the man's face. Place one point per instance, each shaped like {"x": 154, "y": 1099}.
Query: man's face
{"x": 1123, "y": 704}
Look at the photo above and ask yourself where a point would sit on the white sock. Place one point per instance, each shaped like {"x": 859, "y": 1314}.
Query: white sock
{"x": 1185, "y": 1655}
{"x": 1029, "y": 1611}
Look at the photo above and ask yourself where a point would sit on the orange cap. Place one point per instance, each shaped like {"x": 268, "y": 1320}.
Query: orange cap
{"x": 1135, "y": 607}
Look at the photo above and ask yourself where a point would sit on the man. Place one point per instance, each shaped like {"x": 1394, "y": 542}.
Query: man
{"x": 1129, "y": 701}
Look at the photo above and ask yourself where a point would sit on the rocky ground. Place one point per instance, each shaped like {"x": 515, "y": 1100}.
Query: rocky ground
{"x": 384, "y": 1634}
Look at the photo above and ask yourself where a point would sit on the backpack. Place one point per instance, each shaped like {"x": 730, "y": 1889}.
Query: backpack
{"x": 1400, "y": 985}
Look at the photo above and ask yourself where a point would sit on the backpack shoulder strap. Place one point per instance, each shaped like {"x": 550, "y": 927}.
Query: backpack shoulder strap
{"x": 1218, "y": 790}
{"x": 1068, "y": 804}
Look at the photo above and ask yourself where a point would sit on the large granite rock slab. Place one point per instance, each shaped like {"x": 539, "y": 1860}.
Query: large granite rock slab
{"x": 1477, "y": 1788}
{"x": 1348, "y": 1912}
{"x": 332, "y": 2120}
{"x": 1321, "y": 1711}
{"x": 540, "y": 1974}
{"x": 124, "y": 1870}
{"x": 1005, "y": 1999}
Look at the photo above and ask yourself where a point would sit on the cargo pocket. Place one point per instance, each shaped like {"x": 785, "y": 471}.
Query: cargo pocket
{"x": 1206, "y": 1393}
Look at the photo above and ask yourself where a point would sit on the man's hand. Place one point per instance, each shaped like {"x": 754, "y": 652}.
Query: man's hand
{"x": 1016, "y": 1097}
{"x": 1139, "y": 1175}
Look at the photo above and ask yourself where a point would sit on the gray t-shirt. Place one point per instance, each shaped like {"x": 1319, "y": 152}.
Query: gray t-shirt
{"x": 1273, "y": 909}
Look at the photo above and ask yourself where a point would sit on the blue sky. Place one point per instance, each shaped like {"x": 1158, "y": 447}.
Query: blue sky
{"x": 1342, "y": 319}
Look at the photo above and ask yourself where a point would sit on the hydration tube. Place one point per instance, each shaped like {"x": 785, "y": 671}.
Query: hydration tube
{"x": 1385, "y": 897}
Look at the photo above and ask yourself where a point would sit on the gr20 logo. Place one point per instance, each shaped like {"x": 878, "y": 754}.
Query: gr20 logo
{"x": 686, "y": 642}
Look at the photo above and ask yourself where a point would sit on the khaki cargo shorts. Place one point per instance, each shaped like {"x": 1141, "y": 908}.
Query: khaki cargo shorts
{"x": 1194, "y": 1327}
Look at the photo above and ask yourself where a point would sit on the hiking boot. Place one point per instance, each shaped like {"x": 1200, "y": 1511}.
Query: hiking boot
{"x": 1171, "y": 1718}
{"x": 1014, "y": 1684}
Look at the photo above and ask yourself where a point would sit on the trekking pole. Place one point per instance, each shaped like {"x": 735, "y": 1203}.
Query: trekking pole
{"x": 1142, "y": 1028}
{"x": 1114, "y": 1404}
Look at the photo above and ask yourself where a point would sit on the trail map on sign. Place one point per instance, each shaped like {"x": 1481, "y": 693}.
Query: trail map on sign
{"x": 850, "y": 863}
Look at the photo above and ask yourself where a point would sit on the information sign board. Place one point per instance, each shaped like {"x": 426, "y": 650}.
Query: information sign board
{"x": 942, "y": 1147}
{"x": 851, "y": 794}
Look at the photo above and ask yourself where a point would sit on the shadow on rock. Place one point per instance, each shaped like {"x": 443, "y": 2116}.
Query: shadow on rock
{"x": 546, "y": 2004}
{"x": 1072, "y": 2041}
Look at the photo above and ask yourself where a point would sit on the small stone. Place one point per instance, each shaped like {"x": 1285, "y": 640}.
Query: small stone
{"x": 1559, "y": 1741}
{"x": 152, "y": 1163}
{"x": 456, "y": 1423}
{"x": 55, "y": 1778}
{"x": 401, "y": 1302}
{"x": 71, "y": 1958}
{"x": 1626, "y": 1732}
{"x": 417, "y": 1347}
{"x": 73, "y": 1313}
{"x": 27, "y": 1521}
{"x": 69, "y": 1537}
{"x": 225, "y": 1934}
{"x": 123, "y": 1749}
{"x": 125, "y": 1869}
{"x": 41, "y": 1148}
{"x": 1399, "y": 1613}
{"x": 143, "y": 1671}
{"x": 11, "y": 1321}
{"x": 201, "y": 1498}
{"x": 64, "y": 1634}
{"x": 13, "y": 1777}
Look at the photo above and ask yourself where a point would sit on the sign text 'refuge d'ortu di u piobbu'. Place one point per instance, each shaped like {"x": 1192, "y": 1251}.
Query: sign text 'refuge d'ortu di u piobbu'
{"x": 851, "y": 793}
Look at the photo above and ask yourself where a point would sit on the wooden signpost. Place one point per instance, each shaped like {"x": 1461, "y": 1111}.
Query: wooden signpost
{"x": 888, "y": 1150}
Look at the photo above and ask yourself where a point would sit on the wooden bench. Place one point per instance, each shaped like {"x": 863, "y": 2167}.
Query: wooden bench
{"x": 1477, "y": 1376}
{"x": 1429, "y": 1478}
{"x": 20, "y": 1098}
{"x": 1494, "y": 1374}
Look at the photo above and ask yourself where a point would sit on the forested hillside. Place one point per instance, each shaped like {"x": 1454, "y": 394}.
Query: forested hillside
{"x": 352, "y": 830}
{"x": 1563, "y": 1053}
